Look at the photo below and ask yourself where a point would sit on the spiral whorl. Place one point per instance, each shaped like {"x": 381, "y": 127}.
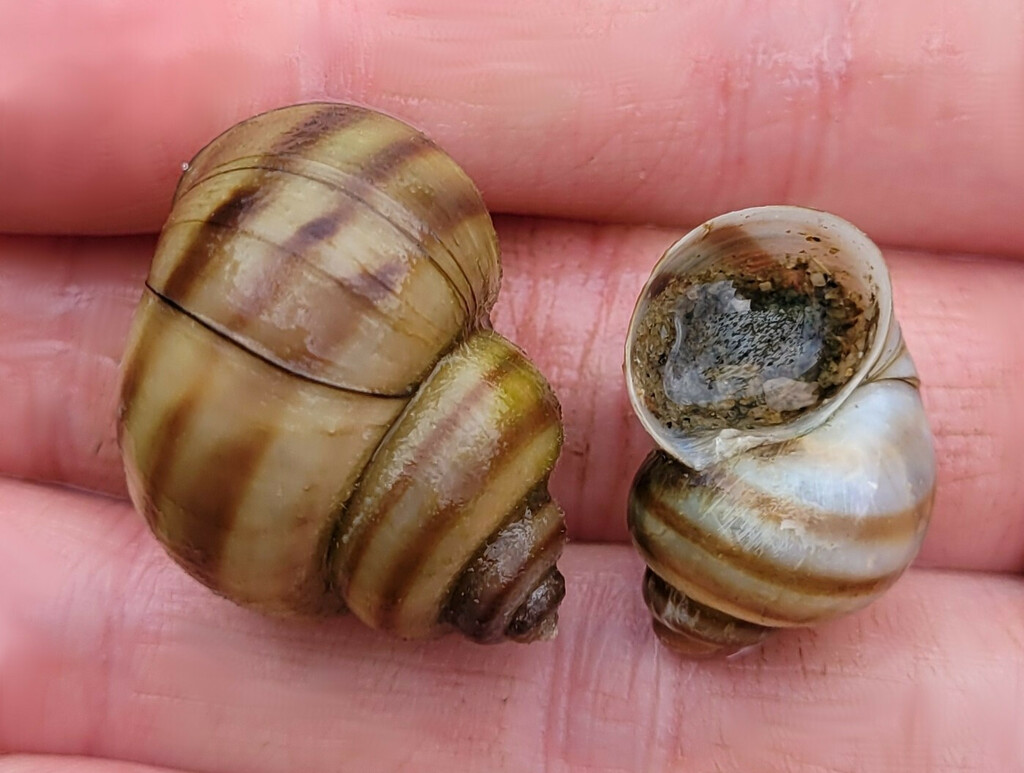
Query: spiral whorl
{"x": 461, "y": 476}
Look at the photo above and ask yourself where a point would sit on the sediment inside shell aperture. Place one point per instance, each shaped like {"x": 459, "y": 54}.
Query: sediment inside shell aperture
{"x": 748, "y": 343}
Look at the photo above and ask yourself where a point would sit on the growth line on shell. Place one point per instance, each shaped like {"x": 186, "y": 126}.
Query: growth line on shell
{"x": 267, "y": 359}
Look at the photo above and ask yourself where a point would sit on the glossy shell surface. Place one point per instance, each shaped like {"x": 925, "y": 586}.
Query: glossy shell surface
{"x": 745, "y": 530}
{"x": 314, "y": 411}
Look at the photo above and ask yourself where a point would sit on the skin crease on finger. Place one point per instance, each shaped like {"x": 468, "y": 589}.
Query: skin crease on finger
{"x": 65, "y": 307}
{"x": 107, "y": 649}
{"x": 901, "y": 115}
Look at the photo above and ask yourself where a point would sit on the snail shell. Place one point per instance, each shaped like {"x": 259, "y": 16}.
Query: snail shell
{"x": 795, "y": 471}
{"x": 315, "y": 413}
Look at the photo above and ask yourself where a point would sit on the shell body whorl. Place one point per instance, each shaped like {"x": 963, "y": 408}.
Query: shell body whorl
{"x": 315, "y": 414}
{"x": 800, "y": 514}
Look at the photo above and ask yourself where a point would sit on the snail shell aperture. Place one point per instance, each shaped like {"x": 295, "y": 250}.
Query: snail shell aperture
{"x": 315, "y": 413}
{"x": 795, "y": 471}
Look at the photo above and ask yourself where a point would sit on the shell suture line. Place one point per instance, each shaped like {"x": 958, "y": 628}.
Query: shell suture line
{"x": 213, "y": 328}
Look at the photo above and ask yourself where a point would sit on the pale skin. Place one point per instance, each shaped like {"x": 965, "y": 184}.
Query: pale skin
{"x": 581, "y": 122}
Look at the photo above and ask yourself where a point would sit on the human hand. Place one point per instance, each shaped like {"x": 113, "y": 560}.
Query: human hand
{"x": 904, "y": 117}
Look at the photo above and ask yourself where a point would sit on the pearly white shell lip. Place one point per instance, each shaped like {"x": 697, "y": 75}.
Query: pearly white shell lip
{"x": 858, "y": 260}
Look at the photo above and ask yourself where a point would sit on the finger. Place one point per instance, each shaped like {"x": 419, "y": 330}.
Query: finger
{"x": 65, "y": 306}
{"x": 109, "y": 649}
{"x": 568, "y": 292}
{"x": 43, "y": 763}
{"x": 902, "y": 116}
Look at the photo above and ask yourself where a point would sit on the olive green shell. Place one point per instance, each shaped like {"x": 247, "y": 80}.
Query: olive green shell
{"x": 314, "y": 412}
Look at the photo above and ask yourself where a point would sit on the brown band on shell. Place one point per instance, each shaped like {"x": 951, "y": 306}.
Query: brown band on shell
{"x": 536, "y": 619}
{"x": 693, "y": 628}
{"x": 324, "y": 119}
{"x": 228, "y": 216}
{"x": 441, "y": 522}
{"x": 757, "y": 567}
{"x": 458, "y": 203}
{"x": 359, "y": 540}
{"x": 403, "y": 573}
{"x": 134, "y": 369}
{"x": 279, "y": 278}
{"x": 211, "y": 502}
{"x": 645, "y": 506}
{"x": 283, "y": 366}
{"x": 458, "y": 199}
{"x": 173, "y": 425}
{"x": 364, "y": 290}
{"x": 245, "y": 201}
{"x": 369, "y": 288}
{"x": 219, "y": 496}
{"x": 897, "y": 527}
{"x": 496, "y": 596}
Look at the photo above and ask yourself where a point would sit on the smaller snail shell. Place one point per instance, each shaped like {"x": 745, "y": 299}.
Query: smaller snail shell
{"x": 789, "y": 523}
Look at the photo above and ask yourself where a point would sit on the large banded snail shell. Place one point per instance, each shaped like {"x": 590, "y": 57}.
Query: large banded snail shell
{"x": 795, "y": 471}
{"x": 315, "y": 413}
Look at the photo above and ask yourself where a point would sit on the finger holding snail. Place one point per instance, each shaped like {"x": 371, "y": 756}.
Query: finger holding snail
{"x": 95, "y": 572}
